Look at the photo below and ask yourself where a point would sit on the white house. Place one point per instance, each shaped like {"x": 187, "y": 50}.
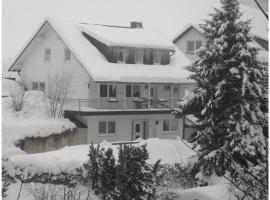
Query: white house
{"x": 125, "y": 80}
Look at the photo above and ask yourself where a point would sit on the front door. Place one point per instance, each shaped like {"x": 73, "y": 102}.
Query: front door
{"x": 138, "y": 129}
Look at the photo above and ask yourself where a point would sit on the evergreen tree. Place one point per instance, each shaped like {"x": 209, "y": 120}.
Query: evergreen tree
{"x": 108, "y": 174}
{"x": 229, "y": 100}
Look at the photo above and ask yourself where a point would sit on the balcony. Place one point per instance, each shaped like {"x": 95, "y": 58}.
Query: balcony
{"x": 119, "y": 104}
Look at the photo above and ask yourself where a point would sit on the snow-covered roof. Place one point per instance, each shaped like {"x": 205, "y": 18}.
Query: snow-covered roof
{"x": 185, "y": 29}
{"x": 101, "y": 70}
{"x": 130, "y": 37}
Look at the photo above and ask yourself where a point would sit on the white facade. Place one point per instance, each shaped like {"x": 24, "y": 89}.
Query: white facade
{"x": 45, "y": 56}
{"x": 191, "y": 34}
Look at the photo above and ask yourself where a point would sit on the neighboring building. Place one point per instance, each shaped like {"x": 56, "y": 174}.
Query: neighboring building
{"x": 124, "y": 80}
{"x": 191, "y": 38}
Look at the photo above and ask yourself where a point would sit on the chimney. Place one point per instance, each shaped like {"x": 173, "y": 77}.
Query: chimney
{"x": 136, "y": 24}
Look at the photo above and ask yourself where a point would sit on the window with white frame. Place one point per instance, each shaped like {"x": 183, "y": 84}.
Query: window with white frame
{"x": 193, "y": 45}
{"x": 107, "y": 90}
{"x": 38, "y": 86}
{"x": 133, "y": 90}
{"x": 67, "y": 56}
{"x": 170, "y": 125}
{"x": 139, "y": 56}
{"x": 107, "y": 127}
{"x": 47, "y": 55}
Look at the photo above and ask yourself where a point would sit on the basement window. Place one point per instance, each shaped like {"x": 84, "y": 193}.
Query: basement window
{"x": 38, "y": 86}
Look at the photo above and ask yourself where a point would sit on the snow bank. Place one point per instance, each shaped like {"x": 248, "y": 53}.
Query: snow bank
{"x": 31, "y": 121}
{"x": 71, "y": 157}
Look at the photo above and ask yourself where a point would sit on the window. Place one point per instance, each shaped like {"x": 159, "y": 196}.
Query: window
{"x": 35, "y": 85}
{"x": 157, "y": 56}
{"x": 193, "y": 45}
{"x": 111, "y": 127}
{"x": 175, "y": 92}
{"x": 121, "y": 56}
{"x": 139, "y": 56}
{"x": 132, "y": 91}
{"x": 107, "y": 127}
{"x": 47, "y": 55}
{"x": 105, "y": 92}
{"x": 102, "y": 127}
{"x": 67, "y": 54}
{"x": 38, "y": 86}
{"x": 170, "y": 125}
{"x": 112, "y": 90}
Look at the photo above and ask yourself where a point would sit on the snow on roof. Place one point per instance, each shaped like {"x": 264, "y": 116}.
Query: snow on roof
{"x": 187, "y": 27}
{"x": 101, "y": 70}
{"x": 130, "y": 37}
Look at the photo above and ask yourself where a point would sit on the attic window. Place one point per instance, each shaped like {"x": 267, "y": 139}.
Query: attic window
{"x": 139, "y": 56}
{"x": 193, "y": 45}
{"x": 120, "y": 56}
{"x": 47, "y": 55}
{"x": 157, "y": 57}
{"x": 67, "y": 54}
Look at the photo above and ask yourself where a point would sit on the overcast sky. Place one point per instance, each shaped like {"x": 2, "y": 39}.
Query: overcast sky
{"x": 22, "y": 17}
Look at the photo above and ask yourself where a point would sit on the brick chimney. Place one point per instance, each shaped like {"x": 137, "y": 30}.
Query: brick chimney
{"x": 136, "y": 24}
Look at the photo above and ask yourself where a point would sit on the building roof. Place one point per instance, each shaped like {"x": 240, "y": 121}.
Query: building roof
{"x": 124, "y": 36}
{"x": 101, "y": 70}
{"x": 186, "y": 29}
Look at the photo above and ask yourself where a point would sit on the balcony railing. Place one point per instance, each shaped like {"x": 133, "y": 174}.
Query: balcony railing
{"x": 128, "y": 103}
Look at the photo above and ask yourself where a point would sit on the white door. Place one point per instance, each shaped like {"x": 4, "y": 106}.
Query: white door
{"x": 137, "y": 129}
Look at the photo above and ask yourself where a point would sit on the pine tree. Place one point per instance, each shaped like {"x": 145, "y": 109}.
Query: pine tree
{"x": 5, "y": 182}
{"x": 229, "y": 100}
{"x": 108, "y": 174}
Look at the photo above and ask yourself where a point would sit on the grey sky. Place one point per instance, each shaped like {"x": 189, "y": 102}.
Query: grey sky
{"x": 22, "y": 17}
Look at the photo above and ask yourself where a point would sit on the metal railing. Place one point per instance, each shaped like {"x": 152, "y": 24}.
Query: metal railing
{"x": 119, "y": 103}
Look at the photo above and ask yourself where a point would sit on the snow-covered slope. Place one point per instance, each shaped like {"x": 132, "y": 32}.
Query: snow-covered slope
{"x": 31, "y": 121}
{"x": 71, "y": 157}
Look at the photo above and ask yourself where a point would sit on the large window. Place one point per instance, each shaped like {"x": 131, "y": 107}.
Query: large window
{"x": 193, "y": 45}
{"x": 107, "y": 90}
{"x": 132, "y": 90}
{"x": 67, "y": 56}
{"x": 47, "y": 55}
{"x": 170, "y": 125}
{"x": 107, "y": 127}
{"x": 38, "y": 86}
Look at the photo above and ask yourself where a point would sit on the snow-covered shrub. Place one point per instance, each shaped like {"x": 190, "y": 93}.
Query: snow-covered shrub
{"x": 177, "y": 176}
{"x": 5, "y": 182}
{"x": 40, "y": 191}
{"x": 17, "y": 92}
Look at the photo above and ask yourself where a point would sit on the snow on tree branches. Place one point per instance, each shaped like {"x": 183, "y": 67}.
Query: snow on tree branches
{"x": 230, "y": 101}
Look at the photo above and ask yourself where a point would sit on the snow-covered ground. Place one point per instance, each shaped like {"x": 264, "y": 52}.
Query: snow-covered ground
{"x": 31, "y": 121}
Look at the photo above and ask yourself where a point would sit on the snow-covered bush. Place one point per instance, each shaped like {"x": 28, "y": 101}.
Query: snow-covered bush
{"x": 177, "y": 176}
{"x": 5, "y": 182}
{"x": 17, "y": 92}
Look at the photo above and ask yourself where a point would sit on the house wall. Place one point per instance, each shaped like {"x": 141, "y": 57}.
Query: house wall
{"x": 124, "y": 127}
{"x": 191, "y": 34}
{"x": 34, "y": 68}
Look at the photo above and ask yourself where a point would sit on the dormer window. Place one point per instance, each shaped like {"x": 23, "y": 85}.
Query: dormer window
{"x": 120, "y": 56}
{"x": 139, "y": 56}
{"x": 156, "y": 57}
